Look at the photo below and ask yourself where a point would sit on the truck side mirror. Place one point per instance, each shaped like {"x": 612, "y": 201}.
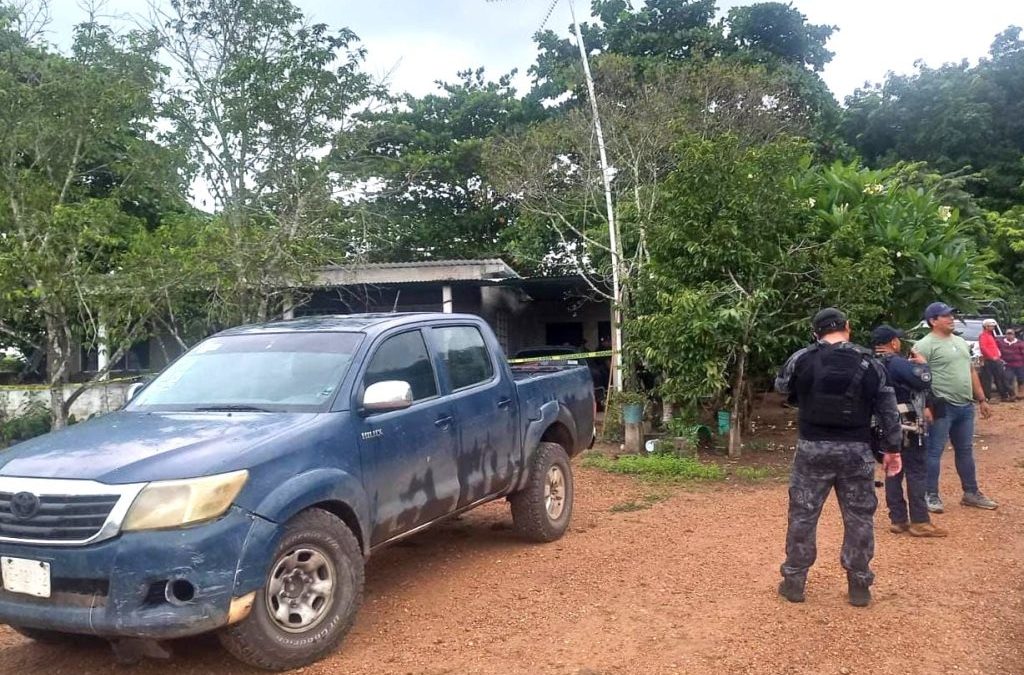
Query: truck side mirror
{"x": 387, "y": 395}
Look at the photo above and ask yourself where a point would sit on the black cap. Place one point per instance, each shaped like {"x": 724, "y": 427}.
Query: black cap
{"x": 885, "y": 334}
{"x": 828, "y": 319}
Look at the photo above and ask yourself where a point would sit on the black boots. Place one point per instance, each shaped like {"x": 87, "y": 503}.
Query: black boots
{"x": 860, "y": 594}
{"x": 792, "y": 589}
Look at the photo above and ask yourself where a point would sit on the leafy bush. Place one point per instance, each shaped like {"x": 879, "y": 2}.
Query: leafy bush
{"x": 33, "y": 421}
{"x": 612, "y": 429}
{"x": 695, "y": 434}
{"x": 9, "y": 364}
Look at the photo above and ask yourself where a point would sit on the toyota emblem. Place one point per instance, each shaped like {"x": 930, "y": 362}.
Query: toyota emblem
{"x": 24, "y": 505}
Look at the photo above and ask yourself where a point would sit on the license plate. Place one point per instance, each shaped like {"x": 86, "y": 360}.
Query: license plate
{"x": 29, "y": 577}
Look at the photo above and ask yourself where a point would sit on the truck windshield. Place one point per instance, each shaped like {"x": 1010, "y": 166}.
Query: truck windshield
{"x": 270, "y": 372}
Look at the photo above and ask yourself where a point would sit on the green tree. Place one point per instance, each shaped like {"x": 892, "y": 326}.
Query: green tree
{"x": 662, "y": 29}
{"x": 750, "y": 240}
{"x": 423, "y": 157}
{"x": 77, "y": 175}
{"x": 919, "y": 248}
{"x": 682, "y": 31}
{"x": 727, "y": 281}
{"x": 552, "y": 173}
{"x": 262, "y": 97}
{"x": 953, "y": 116}
{"x": 777, "y": 31}
{"x": 1005, "y": 242}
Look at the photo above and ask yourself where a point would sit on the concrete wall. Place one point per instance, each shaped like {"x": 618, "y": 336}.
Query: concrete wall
{"x": 531, "y": 320}
{"x": 101, "y": 398}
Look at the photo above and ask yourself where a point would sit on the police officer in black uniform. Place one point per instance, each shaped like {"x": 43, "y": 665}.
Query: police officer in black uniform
{"x": 838, "y": 387}
{"x": 912, "y": 381}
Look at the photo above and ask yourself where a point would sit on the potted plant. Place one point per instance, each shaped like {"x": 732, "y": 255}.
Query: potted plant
{"x": 687, "y": 436}
{"x": 632, "y": 403}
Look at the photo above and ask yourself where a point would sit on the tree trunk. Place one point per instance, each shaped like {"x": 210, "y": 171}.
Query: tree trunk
{"x": 736, "y": 423}
{"x": 58, "y": 353}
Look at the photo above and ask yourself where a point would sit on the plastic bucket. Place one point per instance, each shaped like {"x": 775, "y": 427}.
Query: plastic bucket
{"x": 724, "y": 421}
{"x": 632, "y": 413}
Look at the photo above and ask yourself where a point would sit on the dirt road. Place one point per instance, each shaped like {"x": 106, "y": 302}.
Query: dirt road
{"x": 684, "y": 586}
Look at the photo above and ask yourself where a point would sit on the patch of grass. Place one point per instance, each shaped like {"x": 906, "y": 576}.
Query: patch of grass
{"x": 754, "y": 473}
{"x": 658, "y": 466}
{"x": 627, "y": 507}
{"x": 646, "y": 502}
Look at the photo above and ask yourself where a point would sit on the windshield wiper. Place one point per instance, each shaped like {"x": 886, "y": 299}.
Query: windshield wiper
{"x": 230, "y": 408}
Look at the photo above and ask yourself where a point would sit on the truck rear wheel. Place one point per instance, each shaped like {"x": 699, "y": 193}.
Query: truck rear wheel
{"x": 542, "y": 510}
{"x": 310, "y": 600}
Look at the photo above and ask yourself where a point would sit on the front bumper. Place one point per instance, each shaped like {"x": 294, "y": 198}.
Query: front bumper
{"x": 116, "y": 588}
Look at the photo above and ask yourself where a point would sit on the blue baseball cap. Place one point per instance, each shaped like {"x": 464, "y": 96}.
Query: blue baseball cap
{"x": 937, "y": 309}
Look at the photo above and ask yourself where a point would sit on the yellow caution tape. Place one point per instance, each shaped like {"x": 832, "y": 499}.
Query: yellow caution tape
{"x": 562, "y": 357}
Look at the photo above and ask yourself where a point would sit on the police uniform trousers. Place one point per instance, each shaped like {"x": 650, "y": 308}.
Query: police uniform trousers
{"x": 915, "y": 471}
{"x": 818, "y": 468}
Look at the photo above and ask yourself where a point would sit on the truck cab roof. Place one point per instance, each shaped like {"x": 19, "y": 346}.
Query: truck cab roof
{"x": 345, "y": 323}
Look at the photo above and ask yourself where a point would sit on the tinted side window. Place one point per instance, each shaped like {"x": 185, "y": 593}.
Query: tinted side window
{"x": 465, "y": 355}
{"x": 404, "y": 357}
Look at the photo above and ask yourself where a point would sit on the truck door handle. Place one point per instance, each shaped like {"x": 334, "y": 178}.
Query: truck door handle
{"x": 504, "y": 403}
{"x": 443, "y": 422}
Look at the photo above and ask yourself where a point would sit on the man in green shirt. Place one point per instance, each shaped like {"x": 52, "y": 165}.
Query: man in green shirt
{"x": 955, "y": 383}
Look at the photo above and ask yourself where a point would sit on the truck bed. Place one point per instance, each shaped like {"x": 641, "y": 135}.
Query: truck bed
{"x": 571, "y": 386}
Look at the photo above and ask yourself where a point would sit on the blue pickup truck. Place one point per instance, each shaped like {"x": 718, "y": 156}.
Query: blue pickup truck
{"x": 242, "y": 490}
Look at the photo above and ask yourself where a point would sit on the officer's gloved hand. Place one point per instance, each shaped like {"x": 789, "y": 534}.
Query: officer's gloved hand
{"x": 892, "y": 462}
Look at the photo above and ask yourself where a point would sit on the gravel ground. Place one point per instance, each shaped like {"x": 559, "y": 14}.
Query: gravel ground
{"x": 684, "y": 586}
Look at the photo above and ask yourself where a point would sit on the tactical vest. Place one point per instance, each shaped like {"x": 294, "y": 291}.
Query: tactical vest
{"x": 910, "y": 403}
{"x": 904, "y": 394}
{"x": 836, "y": 394}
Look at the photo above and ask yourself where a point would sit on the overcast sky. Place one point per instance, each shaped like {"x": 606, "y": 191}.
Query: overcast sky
{"x": 420, "y": 41}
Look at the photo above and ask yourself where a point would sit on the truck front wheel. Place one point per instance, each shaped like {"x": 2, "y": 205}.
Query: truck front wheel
{"x": 310, "y": 600}
{"x": 542, "y": 510}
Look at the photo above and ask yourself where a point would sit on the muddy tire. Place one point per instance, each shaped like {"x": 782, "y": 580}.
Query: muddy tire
{"x": 541, "y": 511}
{"x": 313, "y": 592}
{"x": 52, "y": 637}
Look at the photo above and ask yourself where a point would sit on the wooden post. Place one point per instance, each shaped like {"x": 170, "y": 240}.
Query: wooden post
{"x": 634, "y": 437}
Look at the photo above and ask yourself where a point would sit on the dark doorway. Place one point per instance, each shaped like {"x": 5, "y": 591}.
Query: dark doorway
{"x": 604, "y": 335}
{"x": 570, "y": 334}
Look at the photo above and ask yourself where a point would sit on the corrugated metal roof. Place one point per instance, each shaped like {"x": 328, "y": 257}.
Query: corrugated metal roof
{"x": 412, "y": 272}
{"x": 426, "y": 263}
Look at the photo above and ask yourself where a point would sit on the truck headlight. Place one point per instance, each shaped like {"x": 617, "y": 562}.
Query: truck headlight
{"x": 174, "y": 503}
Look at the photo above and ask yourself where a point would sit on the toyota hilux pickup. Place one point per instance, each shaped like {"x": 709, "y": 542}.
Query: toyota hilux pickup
{"x": 242, "y": 490}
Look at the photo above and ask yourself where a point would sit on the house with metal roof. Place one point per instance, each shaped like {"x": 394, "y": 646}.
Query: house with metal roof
{"x": 525, "y": 312}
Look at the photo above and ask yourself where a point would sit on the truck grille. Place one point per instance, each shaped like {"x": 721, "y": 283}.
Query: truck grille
{"x": 58, "y": 518}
